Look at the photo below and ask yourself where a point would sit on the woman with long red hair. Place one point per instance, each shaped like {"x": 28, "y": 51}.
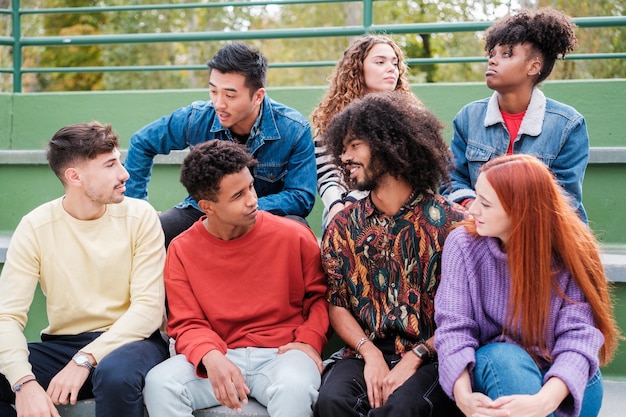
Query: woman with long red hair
{"x": 523, "y": 310}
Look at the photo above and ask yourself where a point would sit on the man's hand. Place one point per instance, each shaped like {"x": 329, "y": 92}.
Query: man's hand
{"x": 403, "y": 370}
{"x": 375, "y": 371}
{"x": 32, "y": 400}
{"x": 306, "y": 348}
{"x": 229, "y": 386}
{"x": 65, "y": 385}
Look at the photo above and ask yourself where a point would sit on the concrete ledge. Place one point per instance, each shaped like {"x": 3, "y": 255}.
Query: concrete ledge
{"x": 86, "y": 408}
{"x": 614, "y": 261}
{"x": 38, "y": 157}
{"x": 613, "y": 405}
{"x": 4, "y": 245}
{"x": 597, "y": 155}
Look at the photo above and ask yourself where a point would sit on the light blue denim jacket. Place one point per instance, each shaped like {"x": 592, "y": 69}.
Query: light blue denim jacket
{"x": 551, "y": 131}
{"x": 280, "y": 140}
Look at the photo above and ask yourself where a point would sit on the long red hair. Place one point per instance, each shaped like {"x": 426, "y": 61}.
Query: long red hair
{"x": 546, "y": 228}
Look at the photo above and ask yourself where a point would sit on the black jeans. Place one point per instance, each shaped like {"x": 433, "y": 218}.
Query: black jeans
{"x": 116, "y": 383}
{"x": 176, "y": 220}
{"x": 343, "y": 393}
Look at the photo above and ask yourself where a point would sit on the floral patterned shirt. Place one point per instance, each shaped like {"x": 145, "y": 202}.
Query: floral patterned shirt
{"x": 385, "y": 269}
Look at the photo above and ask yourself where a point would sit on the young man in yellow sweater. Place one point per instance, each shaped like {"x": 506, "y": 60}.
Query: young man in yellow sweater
{"x": 98, "y": 258}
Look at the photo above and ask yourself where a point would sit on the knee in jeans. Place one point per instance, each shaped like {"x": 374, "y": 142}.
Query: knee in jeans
{"x": 107, "y": 376}
{"x": 497, "y": 355}
{"x": 154, "y": 381}
{"x": 296, "y": 385}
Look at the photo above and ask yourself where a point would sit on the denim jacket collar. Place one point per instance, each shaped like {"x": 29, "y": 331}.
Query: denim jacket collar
{"x": 533, "y": 120}
{"x": 264, "y": 127}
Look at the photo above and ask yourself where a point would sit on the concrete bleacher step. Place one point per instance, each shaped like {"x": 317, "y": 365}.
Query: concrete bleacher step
{"x": 613, "y": 405}
{"x": 86, "y": 408}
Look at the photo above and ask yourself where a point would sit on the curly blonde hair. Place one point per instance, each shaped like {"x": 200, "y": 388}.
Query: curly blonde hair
{"x": 348, "y": 81}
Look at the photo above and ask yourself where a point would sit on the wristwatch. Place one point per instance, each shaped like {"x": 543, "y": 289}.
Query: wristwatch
{"x": 422, "y": 352}
{"x": 82, "y": 360}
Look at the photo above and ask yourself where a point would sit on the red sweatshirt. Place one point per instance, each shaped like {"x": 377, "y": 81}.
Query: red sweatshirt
{"x": 264, "y": 289}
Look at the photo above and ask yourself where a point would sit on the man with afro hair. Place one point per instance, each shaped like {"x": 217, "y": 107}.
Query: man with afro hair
{"x": 382, "y": 258}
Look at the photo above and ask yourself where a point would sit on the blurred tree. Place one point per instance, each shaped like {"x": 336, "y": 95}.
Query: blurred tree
{"x": 6, "y": 59}
{"x": 592, "y": 40}
{"x": 71, "y": 24}
{"x": 242, "y": 17}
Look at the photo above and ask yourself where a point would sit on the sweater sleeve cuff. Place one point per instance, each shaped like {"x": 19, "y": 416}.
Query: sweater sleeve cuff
{"x": 312, "y": 338}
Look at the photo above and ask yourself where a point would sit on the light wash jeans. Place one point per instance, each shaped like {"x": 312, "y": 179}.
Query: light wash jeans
{"x": 506, "y": 369}
{"x": 286, "y": 384}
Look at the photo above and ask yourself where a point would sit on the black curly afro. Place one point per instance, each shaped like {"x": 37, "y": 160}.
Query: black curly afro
{"x": 206, "y": 164}
{"x": 549, "y": 31}
{"x": 404, "y": 137}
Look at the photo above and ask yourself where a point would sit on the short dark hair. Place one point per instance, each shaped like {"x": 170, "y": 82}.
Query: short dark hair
{"x": 207, "y": 163}
{"x": 404, "y": 137}
{"x": 550, "y": 32}
{"x": 240, "y": 58}
{"x": 78, "y": 143}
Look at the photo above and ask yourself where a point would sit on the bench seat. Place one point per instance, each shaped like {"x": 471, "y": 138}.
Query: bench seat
{"x": 86, "y": 408}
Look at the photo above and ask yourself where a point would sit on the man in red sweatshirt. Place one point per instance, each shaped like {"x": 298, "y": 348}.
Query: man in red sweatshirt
{"x": 246, "y": 298}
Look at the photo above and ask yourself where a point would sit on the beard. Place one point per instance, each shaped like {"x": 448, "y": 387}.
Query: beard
{"x": 372, "y": 174}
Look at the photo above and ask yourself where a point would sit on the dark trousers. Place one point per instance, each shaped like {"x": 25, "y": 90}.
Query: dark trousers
{"x": 116, "y": 383}
{"x": 176, "y": 220}
{"x": 343, "y": 393}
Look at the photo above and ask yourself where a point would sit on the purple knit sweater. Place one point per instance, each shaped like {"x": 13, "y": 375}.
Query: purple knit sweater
{"x": 470, "y": 310}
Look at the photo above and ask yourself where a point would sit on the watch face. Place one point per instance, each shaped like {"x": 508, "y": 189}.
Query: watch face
{"x": 420, "y": 351}
{"x": 82, "y": 360}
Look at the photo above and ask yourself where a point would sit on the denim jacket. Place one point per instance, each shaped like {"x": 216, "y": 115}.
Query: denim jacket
{"x": 552, "y": 131}
{"x": 280, "y": 140}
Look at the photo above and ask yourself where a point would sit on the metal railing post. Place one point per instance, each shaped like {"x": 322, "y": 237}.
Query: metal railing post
{"x": 368, "y": 14}
{"x": 17, "y": 45}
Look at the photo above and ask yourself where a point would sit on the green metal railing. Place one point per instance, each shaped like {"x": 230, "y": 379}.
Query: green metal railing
{"x": 18, "y": 42}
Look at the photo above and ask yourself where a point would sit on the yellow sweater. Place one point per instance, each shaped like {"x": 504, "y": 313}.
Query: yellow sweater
{"x": 98, "y": 275}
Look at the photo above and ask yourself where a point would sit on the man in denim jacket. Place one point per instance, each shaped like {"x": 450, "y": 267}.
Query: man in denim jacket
{"x": 240, "y": 111}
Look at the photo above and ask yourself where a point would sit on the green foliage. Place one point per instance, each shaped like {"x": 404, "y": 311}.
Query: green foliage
{"x": 285, "y": 50}
{"x": 592, "y": 40}
{"x": 71, "y": 24}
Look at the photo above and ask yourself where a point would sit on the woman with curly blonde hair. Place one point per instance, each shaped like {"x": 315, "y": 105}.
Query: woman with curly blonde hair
{"x": 374, "y": 63}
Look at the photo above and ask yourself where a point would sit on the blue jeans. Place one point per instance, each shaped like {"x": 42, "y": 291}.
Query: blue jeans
{"x": 495, "y": 376}
{"x": 116, "y": 383}
{"x": 286, "y": 384}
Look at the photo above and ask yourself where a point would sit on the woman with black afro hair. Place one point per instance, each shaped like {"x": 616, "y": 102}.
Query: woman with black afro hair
{"x": 518, "y": 118}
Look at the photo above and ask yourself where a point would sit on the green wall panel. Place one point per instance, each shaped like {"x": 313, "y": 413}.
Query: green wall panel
{"x": 36, "y": 116}
{"x": 617, "y": 368}
{"x": 604, "y": 201}
{"x": 6, "y": 111}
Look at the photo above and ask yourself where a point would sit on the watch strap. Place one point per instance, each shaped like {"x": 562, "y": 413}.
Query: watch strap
{"x": 422, "y": 352}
